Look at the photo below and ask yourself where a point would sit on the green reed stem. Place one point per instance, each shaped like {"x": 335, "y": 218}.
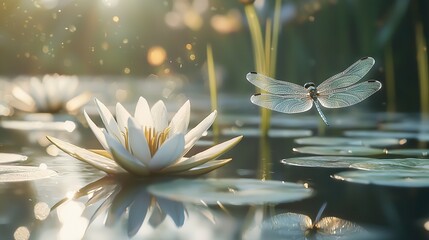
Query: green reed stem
{"x": 422, "y": 64}
{"x": 265, "y": 159}
{"x": 212, "y": 86}
{"x": 265, "y": 50}
{"x": 275, "y": 37}
{"x": 390, "y": 78}
{"x": 256, "y": 36}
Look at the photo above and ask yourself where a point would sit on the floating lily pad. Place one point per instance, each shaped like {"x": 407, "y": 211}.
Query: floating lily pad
{"x": 231, "y": 191}
{"x": 380, "y": 134}
{"x": 393, "y": 164}
{"x": 274, "y": 133}
{"x": 424, "y": 137}
{"x": 298, "y": 226}
{"x": 335, "y": 141}
{"x": 412, "y": 125}
{"x": 12, "y": 157}
{"x": 340, "y": 150}
{"x": 324, "y": 161}
{"x": 398, "y": 178}
{"x": 410, "y": 152}
{"x": 24, "y": 173}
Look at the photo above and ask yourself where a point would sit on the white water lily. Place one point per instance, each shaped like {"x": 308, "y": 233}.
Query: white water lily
{"x": 52, "y": 93}
{"x": 147, "y": 144}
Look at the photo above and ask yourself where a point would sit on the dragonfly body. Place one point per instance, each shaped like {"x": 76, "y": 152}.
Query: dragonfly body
{"x": 337, "y": 91}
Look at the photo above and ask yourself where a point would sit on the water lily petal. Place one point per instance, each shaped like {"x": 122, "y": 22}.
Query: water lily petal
{"x": 180, "y": 121}
{"x": 196, "y": 133}
{"x": 205, "y": 168}
{"x": 142, "y": 113}
{"x": 109, "y": 121}
{"x": 120, "y": 203}
{"x": 124, "y": 158}
{"x": 38, "y": 93}
{"x": 203, "y": 157}
{"x": 96, "y": 130}
{"x": 159, "y": 114}
{"x": 138, "y": 211}
{"x": 137, "y": 142}
{"x": 23, "y": 101}
{"x": 122, "y": 116}
{"x": 174, "y": 209}
{"x": 169, "y": 152}
{"x": 104, "y": 164}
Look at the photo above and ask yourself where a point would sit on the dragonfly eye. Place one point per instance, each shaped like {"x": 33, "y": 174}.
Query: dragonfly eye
{"x": 309, "y": 84}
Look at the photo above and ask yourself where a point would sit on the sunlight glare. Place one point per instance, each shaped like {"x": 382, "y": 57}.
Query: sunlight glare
{"x": 74, "y": 225}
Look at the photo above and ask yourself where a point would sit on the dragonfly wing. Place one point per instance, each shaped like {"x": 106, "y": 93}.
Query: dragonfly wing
{"x": 349, "y": 76}
{"x": 274, "y": 86}
{"x": 344, "y": 97}
{"x": 284, "y": 104}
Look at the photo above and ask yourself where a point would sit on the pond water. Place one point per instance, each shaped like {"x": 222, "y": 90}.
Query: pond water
{"x": 238, "y": 205}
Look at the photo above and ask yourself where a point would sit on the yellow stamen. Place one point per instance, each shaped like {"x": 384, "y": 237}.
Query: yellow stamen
{"x": 155, "y": 139}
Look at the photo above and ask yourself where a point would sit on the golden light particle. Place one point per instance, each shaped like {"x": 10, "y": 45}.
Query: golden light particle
{"x": 127, "y": 70}
{"x": 115, "y": 19}
{"x": 156, "y": 56}
{"x": 189, "y": 46}
{"x": 192, "y": 57}
{"x": 45, "y": 49}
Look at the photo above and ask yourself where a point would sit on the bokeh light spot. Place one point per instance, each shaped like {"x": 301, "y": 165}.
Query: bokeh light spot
{"x": 21, "y": 233}
{"x": 41, "y": 211}
{"x": 156, "y": 56}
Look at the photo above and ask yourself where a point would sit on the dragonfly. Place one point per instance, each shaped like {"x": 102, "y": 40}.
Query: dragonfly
{"x": 337, "y": 91}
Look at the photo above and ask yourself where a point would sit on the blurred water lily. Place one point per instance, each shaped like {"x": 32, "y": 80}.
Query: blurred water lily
{"x": 53, "y": 93}
{"x": 147, "y": 144}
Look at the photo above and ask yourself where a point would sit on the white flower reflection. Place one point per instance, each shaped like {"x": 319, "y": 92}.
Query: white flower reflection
{"x": 123, "y": 198}
{"x": 146, "y": 144}
{"x": 51, "y": 94}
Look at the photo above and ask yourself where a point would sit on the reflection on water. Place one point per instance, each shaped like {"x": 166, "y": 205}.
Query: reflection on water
{"x": 119, "y": 200}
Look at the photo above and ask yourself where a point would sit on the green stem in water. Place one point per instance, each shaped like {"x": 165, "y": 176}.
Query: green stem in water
{"x": 422, "y": 63}
{"x": 390, "y": 78}
{"x": 212, "y": 86}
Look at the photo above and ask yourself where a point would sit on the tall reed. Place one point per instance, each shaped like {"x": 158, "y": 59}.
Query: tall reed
{"x": 390, "y": 78}
{"x": 422, "y": 64}
{"x": 264, "y": 49}
{"x": 212, "y": 86}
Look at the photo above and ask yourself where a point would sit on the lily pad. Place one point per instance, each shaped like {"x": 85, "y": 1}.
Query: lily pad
{"x": 410, "y": 125}
{"x": 24, "y": 173}
{"x": 340, "y": 150}
{"x": 398, "y": 178}
{"x": 231, "y": 191}
{"x": 12, "y": 157}
{"x": 335, "y": 141}
{"x": 410, "y": 152}
{"x": 380, "y": 134}
{"x": 324, "y": 161}
{"x": 274, "y": 133}
{"x": 393, "y": 164}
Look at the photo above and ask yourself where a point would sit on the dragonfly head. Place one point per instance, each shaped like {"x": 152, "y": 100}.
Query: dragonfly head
{"x": 308, "y": 85}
